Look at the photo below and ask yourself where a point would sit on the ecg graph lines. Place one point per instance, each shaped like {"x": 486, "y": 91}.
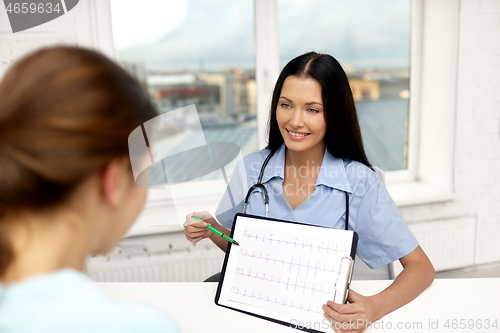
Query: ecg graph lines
{"x": 287, "y": 282}
{"x": 272, "y": 260}
{"x": 296, "y": 244}
{"x": 286, "y": 270}
{"x": 273, "y": 302}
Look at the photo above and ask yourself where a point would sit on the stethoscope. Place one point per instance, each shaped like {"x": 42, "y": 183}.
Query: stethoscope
{"x": 266, "y": 196}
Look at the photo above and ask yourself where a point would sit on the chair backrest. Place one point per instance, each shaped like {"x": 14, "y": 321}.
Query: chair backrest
{"x": 361, "y": 270}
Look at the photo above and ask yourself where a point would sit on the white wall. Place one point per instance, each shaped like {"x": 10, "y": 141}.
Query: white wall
{"x": 88, "y": 24}
{"x": 476, "y": 176}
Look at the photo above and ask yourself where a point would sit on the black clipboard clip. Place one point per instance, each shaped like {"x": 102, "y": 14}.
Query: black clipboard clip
{"x": 343, "y": 280}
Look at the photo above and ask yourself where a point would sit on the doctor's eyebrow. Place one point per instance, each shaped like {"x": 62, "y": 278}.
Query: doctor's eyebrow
{"x": 310, "y": 103}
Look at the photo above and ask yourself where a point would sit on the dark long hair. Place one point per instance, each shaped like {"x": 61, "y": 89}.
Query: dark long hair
{"x": 343, "y": 135}
{"x": 65, "y": 112}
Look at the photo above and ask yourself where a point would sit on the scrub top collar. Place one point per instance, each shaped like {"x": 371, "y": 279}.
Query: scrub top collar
{"x": 332, "y": 172}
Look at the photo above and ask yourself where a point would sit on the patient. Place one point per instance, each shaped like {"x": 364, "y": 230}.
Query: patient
{"x": 67, "y": 191}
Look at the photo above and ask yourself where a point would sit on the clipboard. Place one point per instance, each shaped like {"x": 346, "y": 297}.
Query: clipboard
{"x": 285, "y": 271}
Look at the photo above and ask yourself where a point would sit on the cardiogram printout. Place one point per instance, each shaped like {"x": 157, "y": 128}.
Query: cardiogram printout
{"x": 285, "y": 271}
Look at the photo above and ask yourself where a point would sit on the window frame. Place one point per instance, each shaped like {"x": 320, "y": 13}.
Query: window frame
{"x": 433, "y": 91}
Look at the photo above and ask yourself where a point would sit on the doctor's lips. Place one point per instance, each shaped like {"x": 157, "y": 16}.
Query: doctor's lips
{"x": 294, "y": 135}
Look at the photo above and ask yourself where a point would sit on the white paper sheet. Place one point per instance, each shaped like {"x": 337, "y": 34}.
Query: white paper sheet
{"x": 284, "y": 271}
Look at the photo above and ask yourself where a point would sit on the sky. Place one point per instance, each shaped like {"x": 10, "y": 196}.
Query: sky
{"x": 217, "y": 34}
{"x": 134, "y": 26}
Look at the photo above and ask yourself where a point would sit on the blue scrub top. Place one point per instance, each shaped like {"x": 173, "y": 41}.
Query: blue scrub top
{"x": 373, "y": 215}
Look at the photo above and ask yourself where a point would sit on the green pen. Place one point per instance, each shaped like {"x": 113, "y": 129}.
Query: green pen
{"x": 226, "y": 237}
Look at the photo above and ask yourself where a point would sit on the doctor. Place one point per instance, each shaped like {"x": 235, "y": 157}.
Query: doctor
{"x": 317, "y": 172}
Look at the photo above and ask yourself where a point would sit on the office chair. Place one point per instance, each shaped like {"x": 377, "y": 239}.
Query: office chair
{"x": 361, "y": 270}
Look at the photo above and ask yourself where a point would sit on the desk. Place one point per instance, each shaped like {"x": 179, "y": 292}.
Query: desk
{"x": 192, "y": 305}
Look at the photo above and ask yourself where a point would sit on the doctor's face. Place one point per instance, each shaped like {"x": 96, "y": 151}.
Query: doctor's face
{"x": 300, "y": 115}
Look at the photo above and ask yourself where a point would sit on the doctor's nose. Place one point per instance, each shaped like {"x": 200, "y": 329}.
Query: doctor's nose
{"x": 297, "y": 120}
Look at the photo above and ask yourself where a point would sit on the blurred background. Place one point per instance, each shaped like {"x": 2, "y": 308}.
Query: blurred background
{"x": 425, "y": 76}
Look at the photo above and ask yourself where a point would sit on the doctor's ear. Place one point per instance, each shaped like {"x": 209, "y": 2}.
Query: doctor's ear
{"x": 114, "y": 180}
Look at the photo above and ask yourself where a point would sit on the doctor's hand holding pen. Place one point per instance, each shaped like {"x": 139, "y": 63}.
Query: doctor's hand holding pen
{"x": 196, "y": 230}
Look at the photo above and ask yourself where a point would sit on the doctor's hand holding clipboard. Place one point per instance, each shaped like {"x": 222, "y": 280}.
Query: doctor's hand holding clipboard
{"x": 315, "y": 171}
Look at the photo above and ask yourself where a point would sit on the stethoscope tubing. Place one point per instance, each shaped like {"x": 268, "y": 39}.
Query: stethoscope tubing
{"x": 266, "y": 196}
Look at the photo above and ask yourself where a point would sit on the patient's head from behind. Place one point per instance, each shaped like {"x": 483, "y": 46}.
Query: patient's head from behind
{"x": 66, "y": 185}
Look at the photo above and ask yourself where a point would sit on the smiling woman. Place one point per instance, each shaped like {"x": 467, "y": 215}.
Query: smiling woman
{"x": 319, "y": 80}
{"x": 301, "y": 121}
{"x": 317, "y": 173}
{"x": 301, "y": 117}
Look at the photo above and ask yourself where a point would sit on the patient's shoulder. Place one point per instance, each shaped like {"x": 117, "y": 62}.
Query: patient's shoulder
{"x": 67, "y": 301}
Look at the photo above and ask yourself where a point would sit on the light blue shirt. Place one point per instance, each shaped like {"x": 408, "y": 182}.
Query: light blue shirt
{"x": 66, "y": 301}
{"x": 373, "y": 215}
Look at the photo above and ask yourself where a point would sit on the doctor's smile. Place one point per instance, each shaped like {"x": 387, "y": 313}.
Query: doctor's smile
{"x": 296, "y": 135}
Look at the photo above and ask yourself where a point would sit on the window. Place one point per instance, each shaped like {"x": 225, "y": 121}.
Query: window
{"x": 192, "y": 52}
{"x": 197, "y": 52}
{"x": 371, "y": 40}
{"x": 378, "y": 66}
